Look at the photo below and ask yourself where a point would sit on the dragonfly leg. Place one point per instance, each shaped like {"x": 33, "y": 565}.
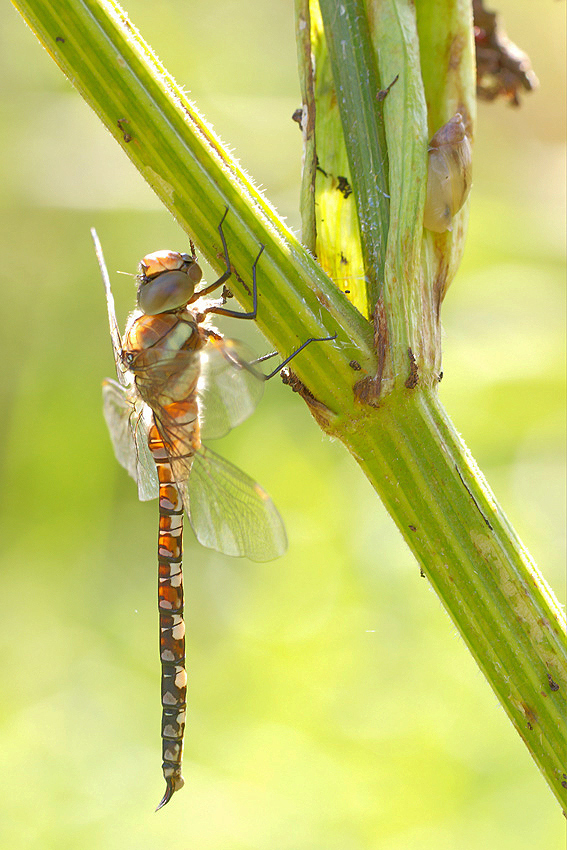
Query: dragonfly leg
{"x": 228, "y": 269}
{"x": 251, "y": 314}
{"x": 238, "y": 314}
{"x": 281, "y": 365}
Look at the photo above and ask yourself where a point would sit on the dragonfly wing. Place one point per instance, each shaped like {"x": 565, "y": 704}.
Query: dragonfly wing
{"x": 229, "y": 512}
{"x": 126, "y": 418}
{"x": 124, "y": 377}
{"x": 229, "y": 387}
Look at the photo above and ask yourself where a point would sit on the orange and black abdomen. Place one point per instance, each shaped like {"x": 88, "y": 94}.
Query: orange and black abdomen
{"x": 162, "y": 353}
{"x": 171, "y": 624}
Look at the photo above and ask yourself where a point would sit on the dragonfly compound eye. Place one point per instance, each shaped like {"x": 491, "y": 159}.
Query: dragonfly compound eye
{"x": 167, "y": 281}
{"x": 448, "y": 175}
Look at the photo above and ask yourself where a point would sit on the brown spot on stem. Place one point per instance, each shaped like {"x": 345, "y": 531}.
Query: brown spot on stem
{"x": 126, "y": 136}
{"x": 531, "y": 716}
{"x": 320, "y": 412}
{"x": 383, "y": 93}
{"x": 367, "y": 390}
{"x": 413, "y": 378}
{"x": 344, "y": 186}
{"x": 298, "y": 116}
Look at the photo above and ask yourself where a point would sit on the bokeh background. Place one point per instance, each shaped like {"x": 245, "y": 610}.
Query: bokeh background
{"x": 332, "y": 704}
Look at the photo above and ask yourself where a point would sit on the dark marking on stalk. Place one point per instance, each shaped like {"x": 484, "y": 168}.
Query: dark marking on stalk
{"x": 383, "y": 93}
{"x": 298, "y": 116}
{"x": 367, "y": 390}
{"x": 344, "y": 186}
{"x": 319, "y": 411}
{"x": 531, "y": 716}
{"x": 126, "y": 136}
{"x": 411, "y": 382}
{"x": 463, "y": 482}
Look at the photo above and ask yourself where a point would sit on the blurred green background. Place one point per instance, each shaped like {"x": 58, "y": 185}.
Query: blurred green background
{"x": 332, "y": 704}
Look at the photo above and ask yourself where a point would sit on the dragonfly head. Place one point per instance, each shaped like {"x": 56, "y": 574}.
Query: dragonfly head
{"x": 166, "y": 281}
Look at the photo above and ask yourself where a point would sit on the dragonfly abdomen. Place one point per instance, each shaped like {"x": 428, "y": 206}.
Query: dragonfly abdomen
{"x": 171, "y": 624}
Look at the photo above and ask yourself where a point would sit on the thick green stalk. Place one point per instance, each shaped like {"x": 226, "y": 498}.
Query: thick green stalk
{"x": 408, "y": 448}
{"x": 481, "y": 571}
{"x": 405, "y": 445}
{"x": 178, "y": 154}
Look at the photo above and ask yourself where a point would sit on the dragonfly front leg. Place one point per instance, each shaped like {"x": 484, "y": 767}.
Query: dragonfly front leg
{"x": 206, "y": 290}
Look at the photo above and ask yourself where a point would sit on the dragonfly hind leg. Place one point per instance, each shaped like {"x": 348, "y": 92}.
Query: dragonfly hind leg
{"x": 281, "y": 365}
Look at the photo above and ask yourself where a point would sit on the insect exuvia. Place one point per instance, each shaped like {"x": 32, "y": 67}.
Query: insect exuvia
{"x": 180, "y": 381}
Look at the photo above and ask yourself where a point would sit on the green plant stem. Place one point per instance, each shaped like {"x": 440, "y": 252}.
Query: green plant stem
{"x": 449, "y": 47}
{"x": 330, "y": 226}
{"x": 303, "y": 39}
{"x": 481, "y": 571}
{"x": 406, "y": 446}
{"x": 357, "y": 83}
{"x": 164, "y": 136}
{"x": 422, "y": 471}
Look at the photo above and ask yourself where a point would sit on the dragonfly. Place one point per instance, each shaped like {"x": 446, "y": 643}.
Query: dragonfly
{"x": 180, "y": 382}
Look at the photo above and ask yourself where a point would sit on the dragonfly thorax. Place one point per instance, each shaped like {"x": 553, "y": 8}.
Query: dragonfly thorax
{"x": 162, "y": 352}
{"x": 167, "y": 333}
{"x": 167, "y": 281}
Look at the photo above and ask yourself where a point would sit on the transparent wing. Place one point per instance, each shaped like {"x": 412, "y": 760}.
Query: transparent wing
{"x": 127, "y": 420}
{"x": 229, "y": 512}
{"x": 179, "y": 440}
{"x": 124, "y": 411}
{"x": 124, "y": 377}
{"x": 229, "y": 387}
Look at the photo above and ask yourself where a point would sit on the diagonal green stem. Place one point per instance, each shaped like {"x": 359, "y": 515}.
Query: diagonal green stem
{"x": 406, "y": 446}
{"x": 481, "y": 571}
{"x": 178, "y": 154}
{"x": 408, "y": 449}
